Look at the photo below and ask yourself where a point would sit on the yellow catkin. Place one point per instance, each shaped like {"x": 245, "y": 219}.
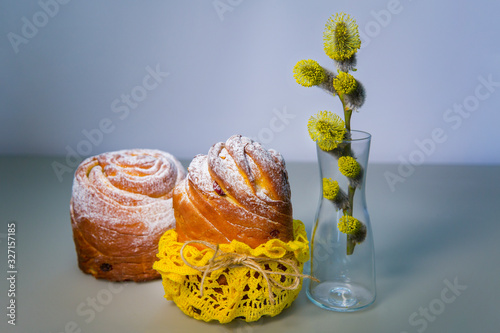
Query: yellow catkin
{"x": 308, "y": 73}
{"x": 349, "y": 167}
{"x": 327, "y": 129}
{"x": 330, "y": 188}
{"x": 344, "y": 83}
{"x": 349, "y": 225}
{"x": 341, "y": 37}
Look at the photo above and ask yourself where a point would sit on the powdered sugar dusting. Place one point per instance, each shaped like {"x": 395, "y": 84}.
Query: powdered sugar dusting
{"x": 228, "y": 174}
{"x": 100, "y": 193}
{"x": 199, "y": 175}
{"x": 251, "y": 201}
{"x": 149, "y": 172}
{"x": 251, "y": 176}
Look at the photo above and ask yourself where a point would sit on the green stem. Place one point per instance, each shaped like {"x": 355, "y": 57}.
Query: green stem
{"x": 347, "y": 117}
{"x": 350, "y": 195}
{"x": 347, "y": 113}
{"x": 350, "y": 242}
{"x": 350, "y": 245}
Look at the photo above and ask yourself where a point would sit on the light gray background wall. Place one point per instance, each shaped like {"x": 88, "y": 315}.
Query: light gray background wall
{"x": 430, "y": 68}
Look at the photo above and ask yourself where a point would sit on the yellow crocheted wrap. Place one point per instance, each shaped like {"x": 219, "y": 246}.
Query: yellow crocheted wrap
{"x": 236, "y": 291}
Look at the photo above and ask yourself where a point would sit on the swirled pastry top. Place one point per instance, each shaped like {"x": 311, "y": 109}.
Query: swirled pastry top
{"x": 238, "y": 191}
{"x": 128, "y": 188}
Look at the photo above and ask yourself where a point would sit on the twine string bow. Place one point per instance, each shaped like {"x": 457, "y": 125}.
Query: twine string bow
{"x": 222, "y": 259}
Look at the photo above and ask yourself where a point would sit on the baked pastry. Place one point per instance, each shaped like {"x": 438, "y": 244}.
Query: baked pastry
{"x": 239, "y": 191}
{"x": 236, "y": 252}
{"x": 121, "y": 204}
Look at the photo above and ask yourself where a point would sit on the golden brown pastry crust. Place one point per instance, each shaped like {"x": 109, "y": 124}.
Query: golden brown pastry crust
{"x": 239, "y": 191}
{"x": 121, "y": 204}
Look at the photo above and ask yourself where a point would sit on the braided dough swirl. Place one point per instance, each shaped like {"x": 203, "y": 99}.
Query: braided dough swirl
{"x": 121, "y": 205}
{"x": 239, "y": 191}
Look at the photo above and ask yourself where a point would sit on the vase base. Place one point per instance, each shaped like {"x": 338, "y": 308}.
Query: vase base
{"x": 340, "y": 296}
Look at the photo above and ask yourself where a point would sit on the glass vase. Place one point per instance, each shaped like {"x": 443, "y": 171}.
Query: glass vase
{"x": 342, "y": 250}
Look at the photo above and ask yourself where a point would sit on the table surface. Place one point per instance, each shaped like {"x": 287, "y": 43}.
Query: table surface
{"x": 436, "y": 234}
